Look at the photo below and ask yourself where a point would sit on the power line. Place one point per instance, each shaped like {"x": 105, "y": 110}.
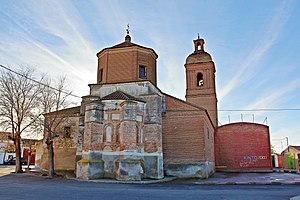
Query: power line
{"x": 38, "y": 82}
{"x": 279, "y": 139}
{"x": 222, "y": 110}
{"x": 261, "y": 110}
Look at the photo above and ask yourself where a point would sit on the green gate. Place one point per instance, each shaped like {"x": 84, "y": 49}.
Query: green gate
{"x": 291, "y": 162}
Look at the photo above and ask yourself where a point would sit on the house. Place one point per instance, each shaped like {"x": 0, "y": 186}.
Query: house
{"x": 7, "y": 148}
{"x": 290, "y": 158}
{"x": 29, "y": 149}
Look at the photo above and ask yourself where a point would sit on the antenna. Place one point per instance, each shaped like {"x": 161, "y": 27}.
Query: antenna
{"x": 265, "y": 121}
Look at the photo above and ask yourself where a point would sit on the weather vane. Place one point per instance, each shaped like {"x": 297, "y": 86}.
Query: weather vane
{"x": 127, "y": 30}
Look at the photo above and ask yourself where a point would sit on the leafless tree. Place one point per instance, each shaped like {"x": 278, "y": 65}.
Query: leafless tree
{"x": 52, "y": 101}
{"x": 19, "y": 105}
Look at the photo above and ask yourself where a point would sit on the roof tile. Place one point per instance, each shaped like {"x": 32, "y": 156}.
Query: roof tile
{"x": 119, "y": 95}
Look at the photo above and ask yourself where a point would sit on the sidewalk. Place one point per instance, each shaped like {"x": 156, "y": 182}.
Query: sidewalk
{"x": 225, "y": 178}
{"x": 274, "y": 178}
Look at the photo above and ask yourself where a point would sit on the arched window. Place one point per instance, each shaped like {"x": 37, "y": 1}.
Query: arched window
{"x": 108, "y": 134}
{"x": 118, "y": 133}
{"x": 100, "y": 76}
{"x": 198, "y": 46}
{"x": 142, "y": 72}
{"x": 200, "y": 81}
{"x": 137, "y": 135}
{"x": 141, "y": 135}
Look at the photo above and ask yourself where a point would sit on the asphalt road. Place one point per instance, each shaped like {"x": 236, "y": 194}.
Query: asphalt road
{"x": 25, "y": 186}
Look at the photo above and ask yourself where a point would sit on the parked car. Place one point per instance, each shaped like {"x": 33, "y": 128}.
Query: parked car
{"x": 13, "y": 161}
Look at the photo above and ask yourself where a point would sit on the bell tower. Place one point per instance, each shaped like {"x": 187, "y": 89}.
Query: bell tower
{"x": 200, "y": 80}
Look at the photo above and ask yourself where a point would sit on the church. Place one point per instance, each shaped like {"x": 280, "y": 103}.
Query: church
{"x": 128, "y": 129}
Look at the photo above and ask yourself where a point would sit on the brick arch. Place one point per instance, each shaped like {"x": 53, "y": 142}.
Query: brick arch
{"x": 117, "y": 133}
{"x": 108, "y": 135}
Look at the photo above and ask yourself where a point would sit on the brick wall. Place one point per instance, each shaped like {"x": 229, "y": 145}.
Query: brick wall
{"x": 122, "y": 64}
{"x": 243, "y": 147}
{"x": 64, "y": 159}
{"x": 204, "y": 96}
{"x": 184, "y": 140}
{"x": 64, "y": 145}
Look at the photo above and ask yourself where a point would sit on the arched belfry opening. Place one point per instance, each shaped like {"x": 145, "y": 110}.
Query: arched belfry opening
{"x": 198, "y": 46}
{"x": 200, "y": 81}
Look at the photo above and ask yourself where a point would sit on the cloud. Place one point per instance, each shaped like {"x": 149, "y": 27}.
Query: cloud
{"x": 270, "y": 98}
{"x": 31, "y": 22}
{"x": 279, "y": 141}
{"x": 249, "y": 67}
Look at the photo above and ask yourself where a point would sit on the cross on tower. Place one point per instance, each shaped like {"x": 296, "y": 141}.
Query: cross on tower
{"x": 127, "y": 30}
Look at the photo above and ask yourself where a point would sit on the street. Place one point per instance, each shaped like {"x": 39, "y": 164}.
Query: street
{"x": 34, "y": 187}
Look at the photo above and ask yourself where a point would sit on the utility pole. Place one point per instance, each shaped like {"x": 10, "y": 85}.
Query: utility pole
{"x": 287, "y": 143}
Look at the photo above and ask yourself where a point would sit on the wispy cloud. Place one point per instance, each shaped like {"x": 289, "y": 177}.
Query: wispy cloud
{"x": 75, "y": 56}
{"x": 270, "y": 35}
{"x": 278, "y": 138}
{"x": 270, "y": 99}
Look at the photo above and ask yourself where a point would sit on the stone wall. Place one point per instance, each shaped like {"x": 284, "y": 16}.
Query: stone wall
{"x": 120, "y": 133}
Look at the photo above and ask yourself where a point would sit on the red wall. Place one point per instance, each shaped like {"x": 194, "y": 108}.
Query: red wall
{"x": 25, "y": 155}
{"x": 243, "y": 147}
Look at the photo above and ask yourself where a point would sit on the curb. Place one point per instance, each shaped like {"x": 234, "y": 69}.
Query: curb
{"x": 246, "y": 183}
{"x": 295, "y": 198}
{"x": 166, "y": 179}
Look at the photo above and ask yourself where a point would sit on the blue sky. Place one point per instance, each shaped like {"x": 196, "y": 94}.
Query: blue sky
{"x": 254, "y": 45}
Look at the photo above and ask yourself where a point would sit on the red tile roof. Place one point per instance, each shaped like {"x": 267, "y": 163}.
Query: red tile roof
{"x": 119, "y": 95}
{"x": 296, "y": 147}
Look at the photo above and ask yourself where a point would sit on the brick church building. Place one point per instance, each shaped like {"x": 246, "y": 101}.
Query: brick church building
{"x": 128, "y": 129}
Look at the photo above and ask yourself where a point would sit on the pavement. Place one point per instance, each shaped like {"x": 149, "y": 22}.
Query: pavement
{"x": 274, "y": 178}
{"x": 219, "y": 178}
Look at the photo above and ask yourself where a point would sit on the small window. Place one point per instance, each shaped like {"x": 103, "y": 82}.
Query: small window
{"x": 198, "y": 46}
{"x": 137, "y": 135}
{"x": 207, "y": 133}
{"x": 142, "y": 72}
{"x": 100, "y": 75}
{"x": 67, "y": 132}
{"x": 200, "y": 81}
{"x": 108, "y": 134}
{"x": 118, "y": 133}
{"x": 141, "y": 136}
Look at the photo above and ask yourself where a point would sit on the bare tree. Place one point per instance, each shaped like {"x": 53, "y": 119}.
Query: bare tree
{"x": 52, "y": 101}
{"x": 19, "y": 105}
